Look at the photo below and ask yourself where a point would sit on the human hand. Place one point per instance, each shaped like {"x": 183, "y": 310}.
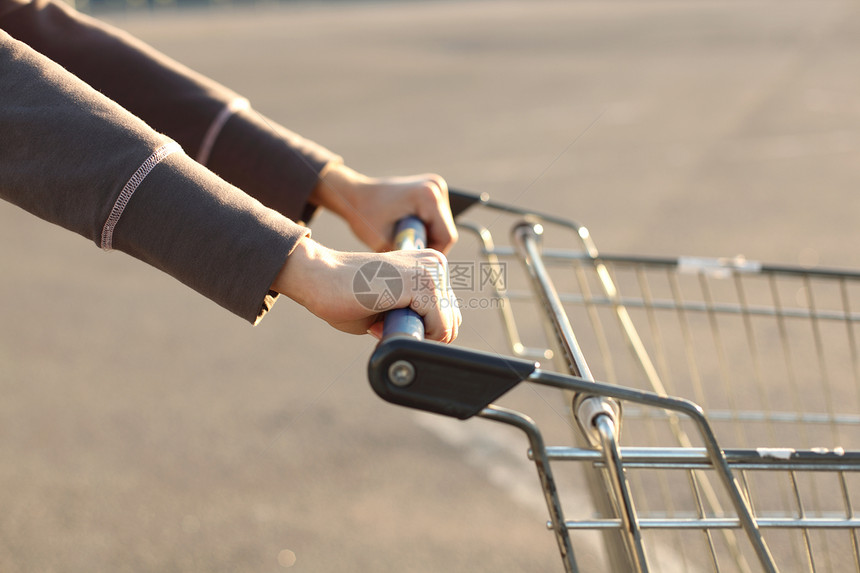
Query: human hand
{"x": 371, "y": 205}
{"x": 324, "y": 280}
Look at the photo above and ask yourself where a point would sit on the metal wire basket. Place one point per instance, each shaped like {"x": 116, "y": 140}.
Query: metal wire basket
{"x": 738, "y": 385}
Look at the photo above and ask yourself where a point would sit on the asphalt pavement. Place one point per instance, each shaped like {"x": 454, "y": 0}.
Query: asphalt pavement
{"x": 143, "y": 428}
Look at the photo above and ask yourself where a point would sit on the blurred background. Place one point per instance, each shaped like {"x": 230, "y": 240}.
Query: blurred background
{"x": 142, "y": 428}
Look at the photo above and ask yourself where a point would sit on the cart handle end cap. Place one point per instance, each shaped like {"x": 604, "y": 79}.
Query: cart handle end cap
{"x": 443, "y": 379}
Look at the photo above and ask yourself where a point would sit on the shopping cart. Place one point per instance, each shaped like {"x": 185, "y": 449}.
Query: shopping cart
{"x": 737, "y": 385}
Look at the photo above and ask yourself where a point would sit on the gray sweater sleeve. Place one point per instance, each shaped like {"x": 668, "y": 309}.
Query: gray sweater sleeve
{"x": 72, "y": 156}
{"x": 264, "y": 159}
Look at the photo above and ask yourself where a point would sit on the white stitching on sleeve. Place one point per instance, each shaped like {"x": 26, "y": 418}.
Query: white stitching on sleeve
{"x": 237, "y": 105}
{"x": 129, "y": 189}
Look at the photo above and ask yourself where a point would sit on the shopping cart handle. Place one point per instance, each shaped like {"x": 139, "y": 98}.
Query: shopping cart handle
{"x": 407, "y": 370}
{"x": 440, "y": 378}
{"x": 410, "y": 235}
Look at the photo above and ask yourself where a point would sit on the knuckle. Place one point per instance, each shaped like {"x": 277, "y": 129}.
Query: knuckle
{"x": 436, "y": 186}
{"x": 439, "y": 181}
{"x": 437, "y": 256}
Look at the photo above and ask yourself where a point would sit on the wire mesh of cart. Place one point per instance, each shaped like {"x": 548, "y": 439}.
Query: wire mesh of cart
{"x": 738, "y": 384}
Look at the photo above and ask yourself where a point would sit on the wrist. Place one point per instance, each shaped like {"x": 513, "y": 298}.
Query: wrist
{"x": 298, "y": 277}
{"x": 337, "y": 190}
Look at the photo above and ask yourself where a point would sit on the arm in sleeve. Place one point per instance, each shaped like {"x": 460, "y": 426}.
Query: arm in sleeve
{"x": 213, "y": 124}
{"x": 73, "y": 157}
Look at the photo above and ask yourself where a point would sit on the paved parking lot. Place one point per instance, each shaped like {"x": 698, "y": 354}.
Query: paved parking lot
{"x": 144, "y": 429}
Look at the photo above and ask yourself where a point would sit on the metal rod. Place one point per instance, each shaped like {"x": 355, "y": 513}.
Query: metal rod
{"x": 715, "y": 266}
{"x": 696, "y": 415}
{"x": 484, "y": 236}
{"x": 617, "y": 478}
{"x": 718, "y": 523}
{"x": 526, "y": 237}
{"x": 721, "y": 308}
{"x": 781, "y": 459}
{"x": 536, "y": 443}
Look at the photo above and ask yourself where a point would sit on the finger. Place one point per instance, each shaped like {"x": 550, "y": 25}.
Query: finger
{"x": 375, "y": 330}
{"x": 448, "y": 307}
{"x": 435, "y": 211}
{"x": 441, "y": 321}
{"x": 446, "y": 303}
{"x": 427, "y": 293}
{"x": 443, "y": 234}
{"x": 433, "y": 325}
{"x": 457, "y": 317}
{"x": 454, "y": 305}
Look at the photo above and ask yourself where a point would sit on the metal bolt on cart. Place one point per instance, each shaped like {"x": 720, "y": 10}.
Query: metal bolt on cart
{"x": 737, "y": 385}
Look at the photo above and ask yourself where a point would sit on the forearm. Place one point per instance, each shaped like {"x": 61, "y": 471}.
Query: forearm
{"x": 169, "y": 97}
{"x": 213, "y": 124}
{"x": 73, "y": 157}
